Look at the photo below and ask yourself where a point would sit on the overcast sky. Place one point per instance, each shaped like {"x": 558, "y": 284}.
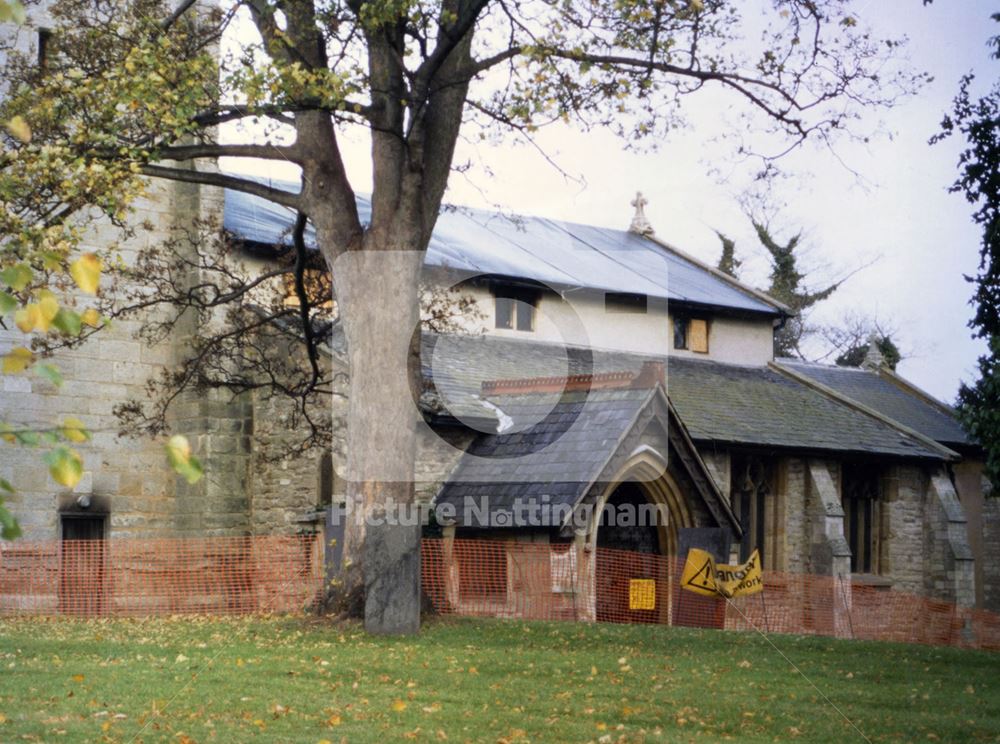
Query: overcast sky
{"x": 899, "y": 215}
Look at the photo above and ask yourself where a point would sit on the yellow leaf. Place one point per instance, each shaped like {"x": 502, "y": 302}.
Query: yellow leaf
{"x": 17, "y": 360}
{"x": 399, "y": 706}
{"x": 334, "y": 720}
{"x": 74, "y": 430}
{"x": 27, "y": 318}
{"x": 48, "y": 308}
{"x": 178, "y": 448}
{"x": 91, "y": 317}
{"x": 78, "y": 678}
{"x": 65, "y": 466}
{"x": 19, "y": 129}
{"x": 3, "y": 718}
{"x": 86, "y": 272}
{"x": 181, "y": 460}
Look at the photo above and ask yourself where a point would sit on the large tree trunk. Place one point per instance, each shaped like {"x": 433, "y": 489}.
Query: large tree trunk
{"x": 377, "y": 290}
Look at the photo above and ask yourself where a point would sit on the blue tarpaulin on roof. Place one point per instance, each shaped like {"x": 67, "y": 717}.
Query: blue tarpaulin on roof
{"x": 560, "y": 254}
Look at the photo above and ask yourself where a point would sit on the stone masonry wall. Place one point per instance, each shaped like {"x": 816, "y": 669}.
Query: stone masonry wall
{"x": 991, "y": 549}
{"x": 793, "y": 516}
{"x": 129, "y": 474}
{"x": 285, "y": 489}
{"x": 903, "y": 538}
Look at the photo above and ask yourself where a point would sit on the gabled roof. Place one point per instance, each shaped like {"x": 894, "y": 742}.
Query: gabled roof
{"x": 761, "y": 406}
{"x": 724, "y": 403}
{"x": 891, "y": 396}
{"x": 559, "y": 254}
{"x": 555, "y": 453}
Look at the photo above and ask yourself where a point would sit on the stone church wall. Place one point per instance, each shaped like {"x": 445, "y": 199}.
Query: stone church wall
{"x": 128, "y": 474}
{"x": 903, "y": 539}
{"x": 991, "y": 549}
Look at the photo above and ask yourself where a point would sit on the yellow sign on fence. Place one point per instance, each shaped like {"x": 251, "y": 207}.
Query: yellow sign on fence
{"x": 641, "y": 594}
{"x": 701, "y": 575}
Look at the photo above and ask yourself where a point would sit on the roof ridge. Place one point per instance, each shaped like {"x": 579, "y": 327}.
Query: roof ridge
{"x": 822, "y": 365}
{"x": 901, "y": 382}
{"x": 949, "y": 454}
{"x": 722, "y": 275}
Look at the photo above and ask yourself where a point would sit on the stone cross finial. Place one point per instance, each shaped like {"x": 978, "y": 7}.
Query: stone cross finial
{"x": 873, "y": 358}
{"x": 640, "y": 224}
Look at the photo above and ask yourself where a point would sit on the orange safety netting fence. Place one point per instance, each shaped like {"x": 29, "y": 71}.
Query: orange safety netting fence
{"x": 125, "y": 576}
{"x": 558, "y": 582}
{"x": 504, "y": 579}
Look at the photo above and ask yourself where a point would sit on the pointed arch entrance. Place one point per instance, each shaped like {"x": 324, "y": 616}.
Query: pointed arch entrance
{"x": 634, "y": 535}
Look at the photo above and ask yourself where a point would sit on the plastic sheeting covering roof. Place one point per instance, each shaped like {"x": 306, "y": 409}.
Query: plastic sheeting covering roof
{"x": 559, "y": 254}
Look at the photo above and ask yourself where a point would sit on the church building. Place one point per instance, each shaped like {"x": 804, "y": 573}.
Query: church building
{"x": 600, "y": 367}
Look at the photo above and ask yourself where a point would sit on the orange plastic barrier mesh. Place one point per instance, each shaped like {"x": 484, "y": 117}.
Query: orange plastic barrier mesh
{"x": 505, "y": 579}
{"x": 126, "y": 576}
{"x": 557, "y": 582}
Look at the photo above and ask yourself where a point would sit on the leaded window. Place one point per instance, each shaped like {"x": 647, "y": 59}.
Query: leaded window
{"x": 752, "y": 498}
{"x": 861, "y": 497}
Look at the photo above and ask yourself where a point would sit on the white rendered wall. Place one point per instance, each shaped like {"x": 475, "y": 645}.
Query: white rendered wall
{"x": 582, "y": 319}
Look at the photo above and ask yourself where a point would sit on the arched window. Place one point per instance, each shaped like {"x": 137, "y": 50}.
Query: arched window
{"x": 861, "y": 493}
{"x": 753, "y": 501}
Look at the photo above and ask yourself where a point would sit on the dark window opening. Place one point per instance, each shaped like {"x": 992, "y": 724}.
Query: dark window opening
{"x": 515, "y": 309}
{"x": 680, "y": 332}
{"x": 860, "y": 497}
{"x": 326, "y": 480}
{"x": 44, "y": 39}
{"x": 625, "y": 302}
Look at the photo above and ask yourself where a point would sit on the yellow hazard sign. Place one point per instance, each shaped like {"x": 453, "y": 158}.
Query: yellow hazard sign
{"x": 702, "y": 576}
{"x": 641, "y": 594}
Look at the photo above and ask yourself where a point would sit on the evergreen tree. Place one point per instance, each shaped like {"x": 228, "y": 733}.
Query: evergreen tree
{"x": 728, "y": 263}
{"x": 787, "y": 287}
{"x": 978, "y": 121}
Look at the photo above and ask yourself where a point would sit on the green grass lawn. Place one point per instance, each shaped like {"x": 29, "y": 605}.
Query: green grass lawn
{"x": 292, "y": 680}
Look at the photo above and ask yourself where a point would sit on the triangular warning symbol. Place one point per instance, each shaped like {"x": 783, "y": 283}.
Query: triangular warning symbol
{"x": 704, "y": 578}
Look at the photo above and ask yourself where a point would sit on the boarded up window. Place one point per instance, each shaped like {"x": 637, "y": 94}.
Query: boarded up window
{"x": 698, "y": 335}
{"x": 691, "y": 334}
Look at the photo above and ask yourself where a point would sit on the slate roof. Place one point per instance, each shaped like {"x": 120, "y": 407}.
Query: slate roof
{"x": 760, "y": 406}
{"x": 558, "y": 254}
{"x": 754, "y": 406}
{"x": 559, "y": 450}
{"x": 881, "y": 393}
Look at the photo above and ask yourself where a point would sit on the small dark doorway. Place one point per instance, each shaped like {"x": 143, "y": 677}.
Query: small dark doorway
{"x": 83, "y": 571}
{"x": 629, "y": 548}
